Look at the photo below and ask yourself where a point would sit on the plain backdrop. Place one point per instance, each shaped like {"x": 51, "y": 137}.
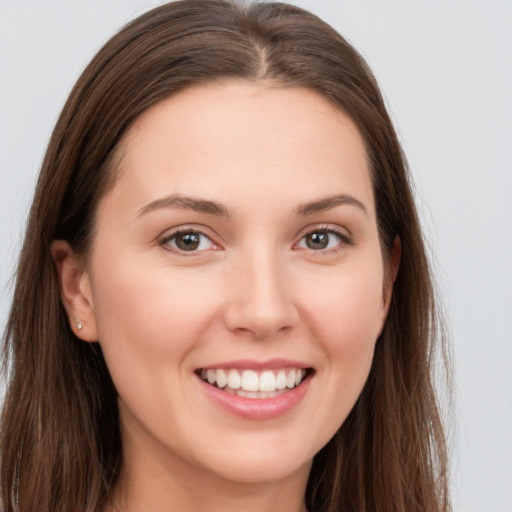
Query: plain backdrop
{"x": 445, "y": 68}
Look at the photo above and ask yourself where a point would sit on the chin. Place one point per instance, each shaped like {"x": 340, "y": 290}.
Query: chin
{"x": 263, "y": 471}
{"x": 259, "y": 459}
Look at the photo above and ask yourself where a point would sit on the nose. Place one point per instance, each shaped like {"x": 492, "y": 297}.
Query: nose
{"x": 260, "y": 301}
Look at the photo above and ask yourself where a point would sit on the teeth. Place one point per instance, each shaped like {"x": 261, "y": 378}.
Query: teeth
{"x": 250, "y": 380}
{"x": 281, "y": 380}
{"x": 234, "y": 380}
{"x": 267, "y": 381}
{"x": 255, "y": 394}
{"x": 290, "y": 380}
{"x": 222, "y": 378}
{"x": 251, "y": 384}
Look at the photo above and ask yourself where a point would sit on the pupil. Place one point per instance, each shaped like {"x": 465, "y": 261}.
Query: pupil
{"x": 188, "y": 241}
{"x": 317, "y": 240}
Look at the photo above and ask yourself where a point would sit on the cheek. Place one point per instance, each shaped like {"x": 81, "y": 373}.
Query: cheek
{"x": 347, "y": 307}
{"x": 143, "y": 311}
{"x": 345, "y": 315}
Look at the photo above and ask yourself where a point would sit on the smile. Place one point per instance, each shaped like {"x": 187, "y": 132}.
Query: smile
{"x": 256, "y": 390}
{"x": 254, "y": 384}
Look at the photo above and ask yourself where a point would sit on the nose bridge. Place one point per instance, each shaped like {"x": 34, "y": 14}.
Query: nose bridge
{"x": 261, "y": 301}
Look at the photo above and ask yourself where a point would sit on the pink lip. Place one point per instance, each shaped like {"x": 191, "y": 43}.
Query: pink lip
{"x": 258, "y": 366}
{"x": 256, "y": 408}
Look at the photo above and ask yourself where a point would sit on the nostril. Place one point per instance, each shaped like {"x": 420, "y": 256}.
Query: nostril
{"x": 243, "y": 319}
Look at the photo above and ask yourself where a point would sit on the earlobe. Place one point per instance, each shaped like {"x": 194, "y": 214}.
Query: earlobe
{"x": 75, "y": 290}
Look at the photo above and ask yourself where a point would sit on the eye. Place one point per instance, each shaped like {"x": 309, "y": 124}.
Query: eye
{"x": 188, "y": 241}
{"x": 322, "y": 240}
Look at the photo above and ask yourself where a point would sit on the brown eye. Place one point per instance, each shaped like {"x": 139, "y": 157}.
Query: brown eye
{"x": 321, "y": 239}
{"x": 188, "y": 241}
{"x": 317, "y": 240}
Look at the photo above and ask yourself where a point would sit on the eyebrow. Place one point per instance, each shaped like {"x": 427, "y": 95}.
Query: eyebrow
{"x": 186, "y": 203}
{"x": 327, "y": 203}
{"x": 217, "y": 209}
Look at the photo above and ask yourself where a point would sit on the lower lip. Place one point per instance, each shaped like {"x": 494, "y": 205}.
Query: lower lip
{"x": 257, "y": 408}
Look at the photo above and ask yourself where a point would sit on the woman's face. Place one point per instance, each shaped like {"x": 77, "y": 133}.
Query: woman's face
{"x": 238, "y": 245}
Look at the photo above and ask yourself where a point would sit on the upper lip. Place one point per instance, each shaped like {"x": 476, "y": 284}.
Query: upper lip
{"x": 249, "y": 364}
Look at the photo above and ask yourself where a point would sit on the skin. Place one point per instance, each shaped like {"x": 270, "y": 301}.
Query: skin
{"x": 253, "y": 290}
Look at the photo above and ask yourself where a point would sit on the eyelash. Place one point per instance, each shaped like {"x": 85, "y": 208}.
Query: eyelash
{"x": 164, "y": 242}
{"x": 345, "y": 240}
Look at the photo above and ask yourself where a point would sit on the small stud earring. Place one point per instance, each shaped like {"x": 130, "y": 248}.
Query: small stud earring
{"x": 79, "y": 326}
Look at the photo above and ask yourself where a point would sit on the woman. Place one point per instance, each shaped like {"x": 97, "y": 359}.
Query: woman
{"x": 223, "y": 298}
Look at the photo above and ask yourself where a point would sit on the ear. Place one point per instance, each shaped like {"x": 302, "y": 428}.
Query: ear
{"x": 391, "y": 272}
{"x": 75, "y": 290}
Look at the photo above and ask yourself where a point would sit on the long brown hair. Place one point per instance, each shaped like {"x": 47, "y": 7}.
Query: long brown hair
{"x": 60, "y": 443}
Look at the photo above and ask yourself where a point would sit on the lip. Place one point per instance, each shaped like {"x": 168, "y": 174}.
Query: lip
{"x": 258, "y": 366}
{"x": 257, "y": 409}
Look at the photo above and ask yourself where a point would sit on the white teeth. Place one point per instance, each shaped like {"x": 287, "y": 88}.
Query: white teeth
{"x": 290, "y": 380}
{"x": 281, "y": 380}
{"x": 267, "y": 381}
{"x": 222, "y": 378}
{"x": 250, "y": 380}
{"x": 257, "y": 394}
{"x": 234, "y": 380}
{"x": 251, "y": 384}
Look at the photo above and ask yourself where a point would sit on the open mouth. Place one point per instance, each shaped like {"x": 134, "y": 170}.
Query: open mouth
{"x": 255, "y": 384}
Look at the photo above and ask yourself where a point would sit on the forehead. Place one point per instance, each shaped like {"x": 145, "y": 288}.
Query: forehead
{"x": 237, "y": 139}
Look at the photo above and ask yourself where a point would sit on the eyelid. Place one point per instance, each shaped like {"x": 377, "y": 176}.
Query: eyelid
{"x": 168, "y": 235}
{"x": 345, "y": 235}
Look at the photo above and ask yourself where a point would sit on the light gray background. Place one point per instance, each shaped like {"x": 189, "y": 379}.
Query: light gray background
{"x": 445, "y": 67}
